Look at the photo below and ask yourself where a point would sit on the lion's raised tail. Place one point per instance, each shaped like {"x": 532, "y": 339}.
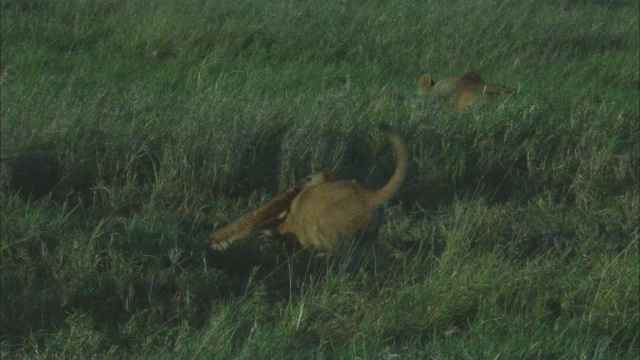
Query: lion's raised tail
{"x": 402, "y": 164}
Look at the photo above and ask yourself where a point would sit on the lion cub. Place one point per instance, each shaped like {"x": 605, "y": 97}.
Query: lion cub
{"x": 325, "y": 216}
{"x": 462, "y": 91}
{"x": 276, "y": 208}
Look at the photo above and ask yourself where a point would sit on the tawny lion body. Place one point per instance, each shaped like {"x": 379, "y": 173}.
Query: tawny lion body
{"x": 443, "y": 88}
{"x": 462, "y": 91}
{"x": 275, "y": 208}
{"x": 325, "y": 216}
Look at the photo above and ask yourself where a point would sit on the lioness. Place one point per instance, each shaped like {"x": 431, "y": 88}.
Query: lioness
{"x": 325, "y": 216}
{"x": 462, "y": 91}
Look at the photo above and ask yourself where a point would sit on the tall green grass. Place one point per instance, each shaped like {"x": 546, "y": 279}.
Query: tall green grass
{"x": 131, "y": 129}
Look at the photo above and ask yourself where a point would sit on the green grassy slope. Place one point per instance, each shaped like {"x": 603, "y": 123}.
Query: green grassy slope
{"x": 130, "y": 129}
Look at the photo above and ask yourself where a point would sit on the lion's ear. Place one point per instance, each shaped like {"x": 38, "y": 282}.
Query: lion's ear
{"x": 327, "y": 175}
{"x": 425, "y": 81}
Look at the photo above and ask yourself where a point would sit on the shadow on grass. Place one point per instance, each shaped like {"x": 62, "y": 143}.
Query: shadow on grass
{"x": 34, "y": 173}
{"x": 71, "y": 171}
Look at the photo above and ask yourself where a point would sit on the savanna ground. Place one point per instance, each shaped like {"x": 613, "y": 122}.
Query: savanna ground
{"x": 131, "y": 129}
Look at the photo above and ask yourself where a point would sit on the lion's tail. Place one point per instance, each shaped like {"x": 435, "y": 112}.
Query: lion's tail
{"x": 402, "y": 165}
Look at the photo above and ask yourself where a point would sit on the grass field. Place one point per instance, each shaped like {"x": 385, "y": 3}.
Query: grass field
{"x": 131, "y": 129}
